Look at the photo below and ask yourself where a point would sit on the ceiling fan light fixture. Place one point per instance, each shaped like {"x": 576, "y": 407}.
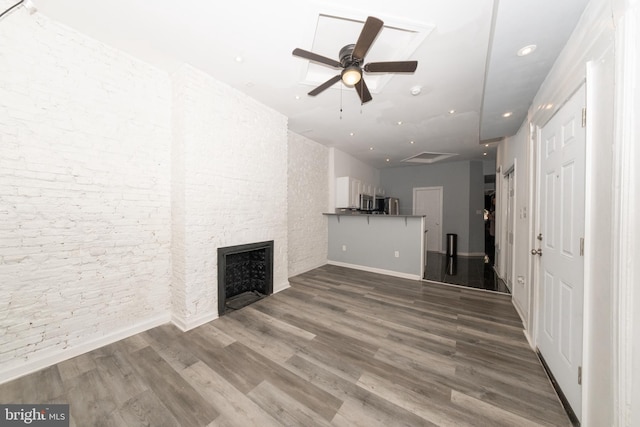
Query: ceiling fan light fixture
{"x": 351, "y": 75}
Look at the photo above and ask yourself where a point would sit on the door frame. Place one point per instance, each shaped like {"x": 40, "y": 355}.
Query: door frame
{"x": 530, "y": 331}
{"x": 510, "y": 204}
{"x": 441, "y": 191}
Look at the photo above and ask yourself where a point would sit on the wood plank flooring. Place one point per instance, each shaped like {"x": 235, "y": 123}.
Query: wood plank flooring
{"x": 339, "y": 348}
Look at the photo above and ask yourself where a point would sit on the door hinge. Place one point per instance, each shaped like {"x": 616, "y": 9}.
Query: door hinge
{"x": 584, "y": 117}
{"x": 582, "y": 246}
{"x": 579, "y": 375}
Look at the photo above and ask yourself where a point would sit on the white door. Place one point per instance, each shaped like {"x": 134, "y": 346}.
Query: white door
{"x": 561, "y": 264}
{"x": 428, "y": 201}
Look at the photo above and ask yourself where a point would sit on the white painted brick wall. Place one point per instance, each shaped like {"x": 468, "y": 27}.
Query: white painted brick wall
{"x": 308, "y": 194}
{"x": 234, "y": 186}
{"x": 117, "y": 185}
{"x": 85, "y": 134}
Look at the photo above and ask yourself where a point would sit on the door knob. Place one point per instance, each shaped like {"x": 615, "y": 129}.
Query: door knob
{"x": 536, "y": 252}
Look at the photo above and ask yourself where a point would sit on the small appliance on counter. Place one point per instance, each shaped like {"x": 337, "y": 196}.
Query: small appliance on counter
{"x": 378, "y": 205}
{"x": 391, "y": 206}
{"x": 366, "y": 203}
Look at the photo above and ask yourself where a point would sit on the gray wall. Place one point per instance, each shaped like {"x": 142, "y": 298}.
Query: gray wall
{"x": 459, "y": 205}
{"x": 370, "y": 241}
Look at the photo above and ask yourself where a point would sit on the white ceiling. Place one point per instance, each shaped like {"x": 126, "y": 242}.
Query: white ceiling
{"x": 466, "y": 53}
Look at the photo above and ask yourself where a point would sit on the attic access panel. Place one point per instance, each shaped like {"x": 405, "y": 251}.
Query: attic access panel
{"x": 427, "y": 157}
{"x": 396, "y": 42}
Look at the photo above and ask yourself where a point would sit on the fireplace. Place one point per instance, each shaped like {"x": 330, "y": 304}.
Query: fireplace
{"x": 245, "y": 275}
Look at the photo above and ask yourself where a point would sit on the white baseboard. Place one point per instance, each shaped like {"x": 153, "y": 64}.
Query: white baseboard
{"x": 376, "y": 270}
{"x": 304, "y": 270}
{"x": 525, "y": 330}
{"x": 54, "y": 356}
{"x": 529, "y": 339}
{"x": 186, "y": 325}
{"x": 281, "y": 287}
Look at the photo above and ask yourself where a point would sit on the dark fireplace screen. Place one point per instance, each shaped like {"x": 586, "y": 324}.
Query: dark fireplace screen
{"x": 245, "y": 274}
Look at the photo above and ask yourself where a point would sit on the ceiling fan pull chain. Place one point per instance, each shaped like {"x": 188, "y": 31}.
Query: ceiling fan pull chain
{"x": 341, "y": 86}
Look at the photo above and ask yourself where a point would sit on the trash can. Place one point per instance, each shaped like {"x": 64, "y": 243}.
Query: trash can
{"x": 452, "y": 245}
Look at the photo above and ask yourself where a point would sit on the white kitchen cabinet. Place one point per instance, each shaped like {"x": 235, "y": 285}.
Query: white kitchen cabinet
{"x": 348, "y": 192}
{"x": 356, "y": 190}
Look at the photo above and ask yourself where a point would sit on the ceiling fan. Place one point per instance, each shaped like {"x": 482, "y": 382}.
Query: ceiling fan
{"x": 351, "y": 59}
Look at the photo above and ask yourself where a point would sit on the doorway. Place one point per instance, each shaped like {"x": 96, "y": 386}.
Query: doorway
{"x": 427, "y": 201}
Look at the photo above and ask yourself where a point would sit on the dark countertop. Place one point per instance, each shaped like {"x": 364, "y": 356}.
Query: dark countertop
{"x": 373, "y": 215}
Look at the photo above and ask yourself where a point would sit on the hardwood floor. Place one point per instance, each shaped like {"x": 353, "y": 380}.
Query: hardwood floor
{"x": 339, "y": 348}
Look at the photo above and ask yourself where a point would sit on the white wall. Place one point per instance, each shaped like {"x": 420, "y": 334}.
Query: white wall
{"x": 607, "y": 373}
{"x": 117, "y": 185}
{"x": 84, "y": 193}
{"x": 308, "y": 196}
{"x": 513, "y": 152}
{"x": 626, "y": 221}
{"x": 234, "y": 180}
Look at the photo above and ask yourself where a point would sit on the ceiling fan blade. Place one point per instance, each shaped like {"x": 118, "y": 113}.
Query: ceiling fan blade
{"x": 326, "y": 85}
{"x": 363, "y": 91}
{"x": 391, "y": 67}
{"x": 368, "y": 34}
{"x": 316, "y": 58}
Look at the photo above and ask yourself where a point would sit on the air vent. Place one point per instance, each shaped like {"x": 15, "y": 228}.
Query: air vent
{"x": 426, "y": 157}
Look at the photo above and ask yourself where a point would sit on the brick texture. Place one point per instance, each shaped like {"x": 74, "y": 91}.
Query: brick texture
{"x": 119, "y": 182}
{"x": 308, "y": 189}
{"x": 84, "y": 189}
{"x": 230, "y": 186}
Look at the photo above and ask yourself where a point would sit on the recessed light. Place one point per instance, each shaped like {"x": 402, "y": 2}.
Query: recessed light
{"x": 484, "y": 154}
{"x": 486, "y": 145}
{"x": 399, "y": 122}
{"x": 351, "y": 133}
{"x": 524, "y": 51}
{"x": 370, "y": 148}
{"x": 388, "y": 160}
{"x": 452, "y": 111}
{"x": 239, "y": 58}
{"x": 297, "y": 96}
{"x": 548, "y": 107}
{"x": 412, "y": 142}
{"x": 507, "y": 114}
{"x": 415, "y": 90}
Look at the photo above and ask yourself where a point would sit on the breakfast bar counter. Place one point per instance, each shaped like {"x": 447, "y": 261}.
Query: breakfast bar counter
{"x": 386, "y": 244}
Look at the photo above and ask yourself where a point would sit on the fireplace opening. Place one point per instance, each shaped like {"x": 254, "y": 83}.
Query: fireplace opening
{"x": 245, "y": 275}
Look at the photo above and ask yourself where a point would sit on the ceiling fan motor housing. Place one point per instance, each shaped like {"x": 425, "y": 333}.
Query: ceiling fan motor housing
{"x": 346, "y": 56}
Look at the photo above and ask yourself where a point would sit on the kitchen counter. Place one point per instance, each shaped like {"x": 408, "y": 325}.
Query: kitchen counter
{"x": 376, "y": 215}
{"x": 387, "y": 244}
